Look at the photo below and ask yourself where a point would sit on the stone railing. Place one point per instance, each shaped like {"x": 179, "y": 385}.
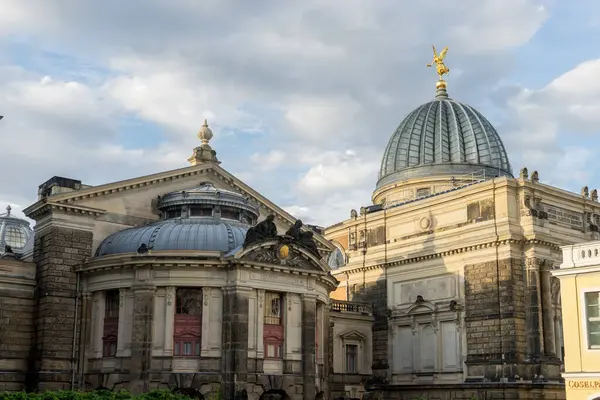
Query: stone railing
{"x": 351, "y": 306}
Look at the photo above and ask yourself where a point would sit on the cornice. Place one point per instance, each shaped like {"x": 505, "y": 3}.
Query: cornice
{"x": 44, "y": 207}
{"x": 464, "y": 249}
{"x": 130, "y": 261}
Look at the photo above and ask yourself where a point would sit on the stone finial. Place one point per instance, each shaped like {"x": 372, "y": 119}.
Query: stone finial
{"x": 204, "y": 153}
{"x": 535, "y": 177}
{"x": 205, "y": 133}
{"x": 8, "y": 209}
{"x": 585, "y": 192}
{"x": 594, "y": 195}
{"x": 524, "y": 174}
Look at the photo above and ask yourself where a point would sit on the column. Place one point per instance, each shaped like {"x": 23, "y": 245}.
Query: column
{"x": 547, "y": 310}
{"x": 309, "y": 318}
{"x": 170, "y": 292}
{"x": 85, "y": 336}
{"x": 235, "y": 339}
{"x": 260, "y": 319}
{"x": 141, "y": 344}
{"x": 124, "y": 332}
{"x": 534, "y": 300}
{"x": 97, "y": 324}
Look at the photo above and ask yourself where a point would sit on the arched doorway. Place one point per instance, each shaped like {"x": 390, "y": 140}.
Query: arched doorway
{"x": 274, "y": 394}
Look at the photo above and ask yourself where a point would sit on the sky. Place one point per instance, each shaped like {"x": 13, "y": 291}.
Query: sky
{"x": 302, "y": 96}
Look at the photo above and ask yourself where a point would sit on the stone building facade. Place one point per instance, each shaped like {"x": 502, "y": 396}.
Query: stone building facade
{"x": 182, "y": 279}
{"x": 455, "y": 254}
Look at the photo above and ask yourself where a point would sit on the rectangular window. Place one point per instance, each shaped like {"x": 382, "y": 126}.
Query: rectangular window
{"x": 592, "y": 308}
{"x": 351, "y": 358}
{"x": 273, "y": 325}
{"x": 111, "y": 323}
{"x": 111, "y": 308}
{"x": 187, "y": 336}
{"x": 273, "y": 350}
{"x": 272, "y": 309}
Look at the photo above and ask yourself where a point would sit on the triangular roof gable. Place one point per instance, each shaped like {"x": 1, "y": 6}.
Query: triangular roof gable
{"x": 352, "y": 335}
{"x": 220, "y": 176}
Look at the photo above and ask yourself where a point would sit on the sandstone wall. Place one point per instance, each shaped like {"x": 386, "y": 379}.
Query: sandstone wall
{"x": 57, "y": 253}
{"x": 17, "y": 305}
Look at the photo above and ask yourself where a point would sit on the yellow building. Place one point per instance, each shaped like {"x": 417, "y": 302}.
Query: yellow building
{"x": 579, "y": 276}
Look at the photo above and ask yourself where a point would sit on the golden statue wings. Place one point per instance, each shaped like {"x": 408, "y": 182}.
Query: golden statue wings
{"x": 438, "y": 60}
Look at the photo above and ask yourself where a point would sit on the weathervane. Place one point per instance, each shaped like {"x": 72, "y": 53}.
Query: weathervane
{"x": 438, "y": 60}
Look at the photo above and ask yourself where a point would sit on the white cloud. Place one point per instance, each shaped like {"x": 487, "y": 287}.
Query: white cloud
{"x": 269, "y": 161}
{"x": 567, "y": 105}
{"x": 327, "y": 80}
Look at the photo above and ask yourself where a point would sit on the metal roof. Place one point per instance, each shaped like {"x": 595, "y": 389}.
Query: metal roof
{"x": 443, "y": 137}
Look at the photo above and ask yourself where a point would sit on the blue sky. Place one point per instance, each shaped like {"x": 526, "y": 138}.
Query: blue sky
{"x": 302, "y": 96}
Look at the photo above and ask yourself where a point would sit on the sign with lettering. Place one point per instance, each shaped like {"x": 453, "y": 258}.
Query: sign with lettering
{"x": 564, "y": 217}
{"x": 584, "y": 384}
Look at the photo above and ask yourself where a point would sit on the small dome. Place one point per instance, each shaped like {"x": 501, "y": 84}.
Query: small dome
{"x": 14, "y": 233}
{"x": 205, "y": 218}
{"x": 443, "y": 137}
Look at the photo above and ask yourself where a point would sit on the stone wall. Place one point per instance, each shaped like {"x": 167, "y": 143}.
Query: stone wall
{"x": 57, "y": 252}
{"x": 481, "y": 391}
{"x": 375, "y": 293}
{"x": 17, "y": 305}
{"x": 495, "y": 320}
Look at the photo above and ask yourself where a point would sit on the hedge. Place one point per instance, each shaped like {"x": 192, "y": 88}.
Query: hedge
{"x": 96, "y": 395}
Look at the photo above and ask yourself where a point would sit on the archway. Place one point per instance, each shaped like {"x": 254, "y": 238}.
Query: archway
{"x": 274, "y": 394}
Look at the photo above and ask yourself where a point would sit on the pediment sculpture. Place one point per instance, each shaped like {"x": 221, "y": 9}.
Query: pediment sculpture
{"x": 262, "y": 231}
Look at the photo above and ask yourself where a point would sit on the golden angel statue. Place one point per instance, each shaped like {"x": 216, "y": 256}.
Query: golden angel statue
{"x": 438, "y": 60}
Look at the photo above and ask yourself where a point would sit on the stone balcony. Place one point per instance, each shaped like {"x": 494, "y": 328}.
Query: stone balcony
{"x": 351, "y": 307}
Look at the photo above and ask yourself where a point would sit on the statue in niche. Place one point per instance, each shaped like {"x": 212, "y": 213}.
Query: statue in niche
{"x": 262, "y": 231}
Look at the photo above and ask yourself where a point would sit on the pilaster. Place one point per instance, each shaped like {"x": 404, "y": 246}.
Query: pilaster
{"x": 235, "y": 339}
{"x": 97, "y": 324}
{"x": 125, "y": 317}
{"x": 170, "y": 293}
{"x": 309, "y": 362}
{"x": 535, "y": 345}
{"x": 547, "y": 310}
{"x": 141, "y": 343}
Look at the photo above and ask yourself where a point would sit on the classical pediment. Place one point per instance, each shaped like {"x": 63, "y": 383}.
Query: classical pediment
{"x": 135, "y": 199}
{"x": 353, "y": 335}
{"x": 281, "y": 251}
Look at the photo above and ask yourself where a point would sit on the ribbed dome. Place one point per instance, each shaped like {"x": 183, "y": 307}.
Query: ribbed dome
{"x": 443, "y": 137}
{"x": 182, "y": 234}
{"x": 204, "y": 219}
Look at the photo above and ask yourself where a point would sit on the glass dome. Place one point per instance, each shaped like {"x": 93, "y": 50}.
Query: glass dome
{"x": 15, "y": 233}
